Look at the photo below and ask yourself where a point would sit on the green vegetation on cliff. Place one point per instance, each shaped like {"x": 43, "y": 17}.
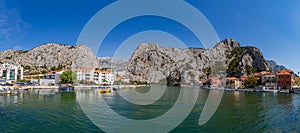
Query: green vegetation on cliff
{"x": 234, "y": 69}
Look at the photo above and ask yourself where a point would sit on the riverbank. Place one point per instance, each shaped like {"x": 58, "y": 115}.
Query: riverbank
{"x": 129, "y": 86}
{"x": 87, "y": 86}
{"x": 250, "y": 90}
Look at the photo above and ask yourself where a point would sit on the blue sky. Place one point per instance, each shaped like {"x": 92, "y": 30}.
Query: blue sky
{"x": 272, "y": 26}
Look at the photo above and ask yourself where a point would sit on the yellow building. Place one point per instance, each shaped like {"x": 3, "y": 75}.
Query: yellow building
{"x": 233, "y": 83}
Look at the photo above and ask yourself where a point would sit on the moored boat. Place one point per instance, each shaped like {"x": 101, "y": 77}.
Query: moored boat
{"x": 6, "y": 88}
{"x": 295, "y": 89}
{"x": 106, "y": 90}
{"x": 20, "y": 88}
{"x": 284, "y": 91}
{"x": 267, "y": 90}
{"x": 65, "y": 88}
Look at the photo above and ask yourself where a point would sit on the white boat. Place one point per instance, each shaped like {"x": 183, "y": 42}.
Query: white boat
{"x": 295, "y": 89}
{"x": 274, "y": 91}
{"x": 250, "y": 90}
{"x": 5, "y": 88}
{"x": 229, "y": 89}
{"x": 21, "y": 87}
{"x": 284, "y": 91}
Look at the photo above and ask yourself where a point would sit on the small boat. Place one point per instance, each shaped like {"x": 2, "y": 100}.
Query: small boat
{"x": 250, "y": 90}
{"x": 229, "y": 89}
{"x": 107, "y": 90}
{"x": 295, "y": 90}
{"x": 284, "y": 91}
{"x": 267, "y": 90}
{"x": 66, "y": 88}
{"x": 20, "y": 88}
{"x": 5, "y": 88}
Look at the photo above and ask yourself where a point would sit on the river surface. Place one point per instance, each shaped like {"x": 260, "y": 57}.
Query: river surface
{"x": 49, "y": 111}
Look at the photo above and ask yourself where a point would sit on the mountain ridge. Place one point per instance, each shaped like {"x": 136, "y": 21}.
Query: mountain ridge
{"x": 154, "y": 63}
{"x": 51, "y": 55}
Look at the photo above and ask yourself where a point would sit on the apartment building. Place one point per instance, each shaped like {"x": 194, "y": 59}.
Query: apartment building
{"x": 285, "y": 79}
{"x": 98, "y": 76}
{"x": 11, "y": 72}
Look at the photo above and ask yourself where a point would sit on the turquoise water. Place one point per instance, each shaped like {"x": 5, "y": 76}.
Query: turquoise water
{"x": 238, "y": 112}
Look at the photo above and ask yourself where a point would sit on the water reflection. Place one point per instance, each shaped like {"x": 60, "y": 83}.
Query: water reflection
{"x": 41, "y": 111}
{"x": 107, "y": 110}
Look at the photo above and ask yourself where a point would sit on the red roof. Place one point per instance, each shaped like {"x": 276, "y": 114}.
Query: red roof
{"x": 243, "y": 78}
{"x": 285, "y": 72}
{"x": 103, "y": 71}
{"x": 232, "y": 78}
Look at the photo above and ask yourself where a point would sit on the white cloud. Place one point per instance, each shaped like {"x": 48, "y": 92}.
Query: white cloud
{"x": 12, "y": 27}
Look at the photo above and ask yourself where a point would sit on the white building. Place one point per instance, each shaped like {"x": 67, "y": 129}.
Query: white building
{"x": 269, "y": 81}
{"x": 49, "y": 78}
{"x": 85, "y": 74}
{"x": 102, "y": 77}
{"x": 10, "y": 72}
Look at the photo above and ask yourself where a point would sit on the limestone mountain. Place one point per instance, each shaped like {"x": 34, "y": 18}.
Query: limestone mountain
{"x": 51, "y": 55}
{"x": 243, "y": 61}
{"x": 154, "y": 63}
{"x": 275, "y": 67}
{"x": 112, "y": 63}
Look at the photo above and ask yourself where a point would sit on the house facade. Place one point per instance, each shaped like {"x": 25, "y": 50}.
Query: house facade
{"x": 102, "y": 77}
{"x": 85, "y": 74}
{"x": 11, "y": 72}
{"x": 233, "y": 83}
{"x": 269, "y": 81}
{"x": 49, "y": 78}
{"x": 285, "y": 79}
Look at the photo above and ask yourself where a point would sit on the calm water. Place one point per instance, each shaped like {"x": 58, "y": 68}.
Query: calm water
{"x": 238, "y": 112}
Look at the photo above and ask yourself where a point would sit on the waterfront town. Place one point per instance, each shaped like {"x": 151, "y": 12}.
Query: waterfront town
{"x": 13, "y": 75}
{"x": 264, "y": 81}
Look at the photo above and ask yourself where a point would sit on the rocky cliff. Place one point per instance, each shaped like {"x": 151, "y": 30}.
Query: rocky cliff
{"x": 275, "y": 67}
{"x": 112, "y": 63}
{"x": 51, "y": 55}
{"x": 243, "y": 61}
{"x": 154, "y": 63}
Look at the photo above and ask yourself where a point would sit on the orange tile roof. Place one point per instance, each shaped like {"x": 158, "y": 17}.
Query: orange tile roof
{"x": 58, "y": 70}
{"x": 243, "y": 78}
{"x": 119, "y": 77}
{"x": 232, "y": 78}
{"x": 286, "y": 71}
{"x": 103, "y": 71}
